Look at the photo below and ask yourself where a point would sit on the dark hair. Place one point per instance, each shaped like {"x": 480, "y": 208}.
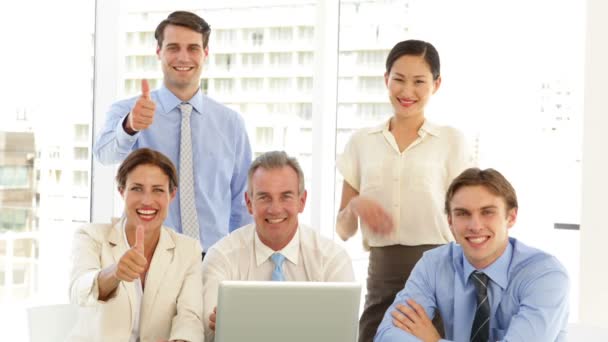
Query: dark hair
{"x": 146, "y": 156}
{"x": 185, "y": 19}
{"x": 414, "y": 47}
{"x": 490, "y": 179}
{"x": 275, "y": 160}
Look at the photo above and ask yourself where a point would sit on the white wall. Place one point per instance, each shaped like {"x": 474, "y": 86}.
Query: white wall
{"x": 594, "y": 235}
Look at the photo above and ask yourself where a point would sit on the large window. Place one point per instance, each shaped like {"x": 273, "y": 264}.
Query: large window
{"x": 45, "y": 144}
{"x": 504, "y": 86}
{"x": 512, "y": 82}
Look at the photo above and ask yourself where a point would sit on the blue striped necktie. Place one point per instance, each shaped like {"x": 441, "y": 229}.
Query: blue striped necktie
{"x": 480, "y": 331}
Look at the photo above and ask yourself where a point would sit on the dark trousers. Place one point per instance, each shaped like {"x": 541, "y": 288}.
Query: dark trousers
{"x": 389, "y": 267}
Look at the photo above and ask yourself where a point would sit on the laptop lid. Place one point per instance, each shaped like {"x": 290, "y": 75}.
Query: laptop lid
{"x": 270, "y": 311}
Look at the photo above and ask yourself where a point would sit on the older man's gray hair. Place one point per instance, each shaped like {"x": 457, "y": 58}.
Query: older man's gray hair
{"x": 275, "y": 160}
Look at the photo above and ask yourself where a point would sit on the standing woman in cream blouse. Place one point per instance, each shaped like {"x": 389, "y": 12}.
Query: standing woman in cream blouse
{"x": 137, "y": 280}
{"x": 395, "y": 179}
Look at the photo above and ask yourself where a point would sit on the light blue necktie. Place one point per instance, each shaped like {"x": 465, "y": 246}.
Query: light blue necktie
{"x": 277, "y": 273}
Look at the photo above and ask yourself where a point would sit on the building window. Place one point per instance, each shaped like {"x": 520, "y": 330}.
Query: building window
{"x": 14, "y": 177}
{"x": 54, "y": 153}
{"x": 282, "y": 109}
{"x": 147, "y": 63}
{"x": 279, "y": 84}
{"x": 371, "y": 58}
{"x": 264, "y": 136}
{"x": 205, "y": 85}
{"x": 57, "y": 174}
{"x": 141, "y": 63}
{"x": 373, "y": 111}
{"x": 305, "y": 58}
{"x": 281, "y": 59}
{"x": 224, "y": 61}
{"x": 252, "y": 84}
{"x": 81, "y": 153}
{"x": 304, "y": 111}
{"x": 306, "y": 33}
{"x": 81, "y": 179}
{"x": 255, "y": 37}
{"x": 146, "y": 39}
{"x": 371, "y": 84}
{"x": 305, "y": 84}
{"x": 14, "y": 219}
{"x": 81, "y": 133}
{"x": 224, "y": 37}
{"x": 133, "y": 86}
{"x": 252, "y": 59}
{"x": 224, "y": 85}
{"x": 281, "y": 34}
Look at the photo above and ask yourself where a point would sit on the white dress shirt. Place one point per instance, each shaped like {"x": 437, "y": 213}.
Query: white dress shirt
{"x": 242, "y": 256}
{"x": 409, "y": 185}
{"x": 139, "y": 293}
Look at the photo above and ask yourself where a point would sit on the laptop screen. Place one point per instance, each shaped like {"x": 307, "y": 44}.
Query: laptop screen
{"x": 267, "y": 311}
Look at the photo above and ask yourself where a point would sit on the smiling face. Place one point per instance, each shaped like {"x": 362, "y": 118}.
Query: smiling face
{"x": 480, "y": 222}
{"x": 182, "y": 57}
{"x": 147, "y": 197}
{"x": 410, "y": 85}
{"x": 275, "y": 203}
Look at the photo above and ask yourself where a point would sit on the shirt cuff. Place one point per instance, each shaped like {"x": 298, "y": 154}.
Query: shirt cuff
{"x": 88, "y": 289}
{"x": 88, "y": 292}
{"x": 125, "y": 139}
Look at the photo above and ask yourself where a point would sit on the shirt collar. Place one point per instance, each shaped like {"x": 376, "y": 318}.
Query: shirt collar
{"x": 430, "y": 128}
{"x": 169, "y": 101}
{"x": 263, "y": 252}
{"x": 426, "y": 128}
{"x": 380, "y": 128}
{"x": 497, "y": 271}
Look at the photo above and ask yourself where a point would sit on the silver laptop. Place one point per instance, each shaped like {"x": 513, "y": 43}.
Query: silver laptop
{"x": 269, "y": 311}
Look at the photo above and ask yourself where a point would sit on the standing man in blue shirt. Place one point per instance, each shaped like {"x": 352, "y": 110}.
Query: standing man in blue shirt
{"x": 486, "y": 286}
{"x": 214, "y": 145}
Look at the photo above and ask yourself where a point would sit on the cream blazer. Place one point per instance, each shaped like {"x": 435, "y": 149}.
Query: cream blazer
{"x": 172, "y": 302}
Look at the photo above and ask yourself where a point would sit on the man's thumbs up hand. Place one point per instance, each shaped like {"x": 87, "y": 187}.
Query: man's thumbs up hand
{"x": 142, "y": 114}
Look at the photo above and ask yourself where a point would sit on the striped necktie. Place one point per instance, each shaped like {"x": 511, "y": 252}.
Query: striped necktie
{"x": 480, "y": 332}
{"x": 187, "y": 202}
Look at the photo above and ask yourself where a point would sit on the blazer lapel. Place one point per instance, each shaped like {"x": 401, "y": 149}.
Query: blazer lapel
{"x": 163, "y": 257}
{"x": 119, "y": 247}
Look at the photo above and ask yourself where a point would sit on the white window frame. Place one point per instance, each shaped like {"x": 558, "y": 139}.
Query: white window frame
{"x": 106, "y": 91}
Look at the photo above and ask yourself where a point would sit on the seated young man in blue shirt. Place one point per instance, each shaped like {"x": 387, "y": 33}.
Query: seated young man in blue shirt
{"x": 486, "y": 286}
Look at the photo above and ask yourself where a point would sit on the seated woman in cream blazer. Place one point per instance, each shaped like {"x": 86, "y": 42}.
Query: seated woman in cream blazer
{"x": 137, "y": 280}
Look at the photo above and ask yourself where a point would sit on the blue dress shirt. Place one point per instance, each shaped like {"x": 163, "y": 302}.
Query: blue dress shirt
{"x": 220, "y": 149}
{"x": 528, "y": 293}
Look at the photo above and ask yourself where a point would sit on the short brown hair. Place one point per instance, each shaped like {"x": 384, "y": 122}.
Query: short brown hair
{"x": 184, "y": 19}
{"x": 275, "y": 160}
{"x": 146, "y": 156}
{"x": 490, "y": 179}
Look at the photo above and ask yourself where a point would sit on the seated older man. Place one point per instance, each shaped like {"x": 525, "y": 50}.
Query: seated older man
{"x": 275, "y": 246}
